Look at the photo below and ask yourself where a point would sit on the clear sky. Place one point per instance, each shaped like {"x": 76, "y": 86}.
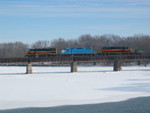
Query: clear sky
{"x": 32, "y": 20}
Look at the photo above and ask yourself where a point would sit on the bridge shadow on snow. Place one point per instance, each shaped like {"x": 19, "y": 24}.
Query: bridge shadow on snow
{"x": 132, "y": 70}
{"x": 103, "y": 71}
{"x": 50, "y": 72}
{"x": 13, "y": 74}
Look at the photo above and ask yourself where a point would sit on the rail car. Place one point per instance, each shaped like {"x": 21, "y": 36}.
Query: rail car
{"x": 78, "y": 51}
{"x": 41, "y": 52}
{"x": 116, "y": 50}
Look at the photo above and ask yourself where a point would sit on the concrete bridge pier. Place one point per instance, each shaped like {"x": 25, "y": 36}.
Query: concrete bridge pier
{"x": 139, "y": 63}
{"x": 74, "y": 67}
{"x": 117, "y": 66}
{"x": 29, "y": 69}
{"x": 94, "y": 63}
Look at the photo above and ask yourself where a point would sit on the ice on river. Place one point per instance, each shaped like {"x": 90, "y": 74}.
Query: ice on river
{"x": 56, "y": 85}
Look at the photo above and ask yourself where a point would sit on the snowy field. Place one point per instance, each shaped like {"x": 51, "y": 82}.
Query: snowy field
{"x": 55, "y": 86}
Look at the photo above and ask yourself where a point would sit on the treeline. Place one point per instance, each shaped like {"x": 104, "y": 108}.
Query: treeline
{"x": 16, "y": 49}
{"x": 137, "y": 42}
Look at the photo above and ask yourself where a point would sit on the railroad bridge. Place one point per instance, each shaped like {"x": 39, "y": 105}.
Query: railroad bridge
{"x": 73, "y": 60}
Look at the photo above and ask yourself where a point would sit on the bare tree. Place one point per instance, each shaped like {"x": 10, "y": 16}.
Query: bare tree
{"x": 59, "y": 43}
{"x": 16, "y": 49}
{"x": 86, "y": 41}
{"x": 41, "y": 44}
{"x": 72, "y": 43}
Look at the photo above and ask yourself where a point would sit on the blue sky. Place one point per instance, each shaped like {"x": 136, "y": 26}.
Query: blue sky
{"x": 32, "y": 20}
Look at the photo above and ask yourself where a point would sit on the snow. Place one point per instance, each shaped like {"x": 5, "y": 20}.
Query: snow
{"x": 56, "y": 85}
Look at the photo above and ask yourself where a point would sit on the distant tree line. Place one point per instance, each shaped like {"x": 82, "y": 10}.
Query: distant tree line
{"x": 18, "y": 49}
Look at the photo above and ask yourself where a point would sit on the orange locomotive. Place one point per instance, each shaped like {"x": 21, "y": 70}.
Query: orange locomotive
{"x": 41, "y": 52}
{"x": 116, "y": 50}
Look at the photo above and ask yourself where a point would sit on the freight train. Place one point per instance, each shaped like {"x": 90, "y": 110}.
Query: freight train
{"x": 86, "y": 51}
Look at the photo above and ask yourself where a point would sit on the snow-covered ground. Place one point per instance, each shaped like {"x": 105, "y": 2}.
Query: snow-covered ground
{"x": 54, "y": 86}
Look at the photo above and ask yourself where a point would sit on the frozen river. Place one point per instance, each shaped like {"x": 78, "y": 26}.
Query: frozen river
{"x": 138, "y": 105}
{"x": 51, "y": 86}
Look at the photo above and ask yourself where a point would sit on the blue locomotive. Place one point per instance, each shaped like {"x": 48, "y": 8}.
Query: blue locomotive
{"x": 78, "y": 51}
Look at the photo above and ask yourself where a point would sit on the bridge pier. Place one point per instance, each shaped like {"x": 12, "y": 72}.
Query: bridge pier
{"x": 29, "y": 69}
{"x": 94, "y": 63}
{"x": 74, "y": 67}
{"x": 117, "y": 66}
{"x": 139, "y": 63}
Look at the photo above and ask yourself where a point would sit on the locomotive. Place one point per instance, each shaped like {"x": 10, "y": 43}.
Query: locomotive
{"x": 78, "y": 51}
{"x": 116, "y": 50}
{"x": 86, "y": 51}
{"x": 41, "y": 52}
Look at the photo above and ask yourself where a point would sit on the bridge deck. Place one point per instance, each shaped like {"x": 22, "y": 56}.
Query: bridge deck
{"x": 69, "y": 59}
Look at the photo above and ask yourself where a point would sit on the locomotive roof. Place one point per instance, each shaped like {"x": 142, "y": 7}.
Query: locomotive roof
{"x": 37, "y": 49}
{"x": 80, "y": 48}
{"x": 117, "y": 47}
